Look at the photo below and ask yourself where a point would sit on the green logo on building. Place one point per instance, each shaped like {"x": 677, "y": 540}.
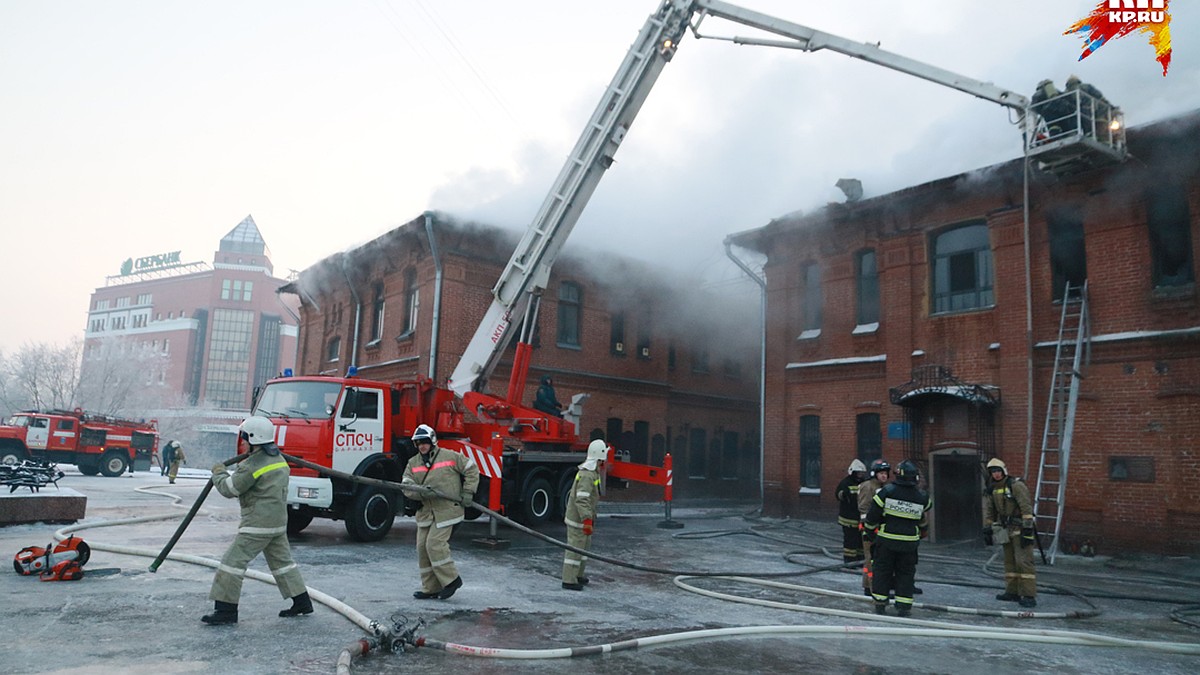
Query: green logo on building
{"x": 127, "y": 266}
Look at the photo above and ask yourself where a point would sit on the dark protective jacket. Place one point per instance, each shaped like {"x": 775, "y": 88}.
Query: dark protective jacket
{"x": 898, "y": 511}
{"x": 847, "y": 496}
{"x": 260, "y": 484}
{"x": 867, "y": 490}
{"x": 546, "y": 400}
{"x": 1009, "y": 505}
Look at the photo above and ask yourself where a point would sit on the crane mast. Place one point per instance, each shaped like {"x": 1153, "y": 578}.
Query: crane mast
{"x": 528, "y": 270}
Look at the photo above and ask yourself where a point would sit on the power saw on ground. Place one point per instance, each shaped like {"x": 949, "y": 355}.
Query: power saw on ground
{"x": 63, "y": 561}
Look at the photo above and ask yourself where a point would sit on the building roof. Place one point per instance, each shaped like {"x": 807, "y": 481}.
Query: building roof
{"x": 245, "y": 238}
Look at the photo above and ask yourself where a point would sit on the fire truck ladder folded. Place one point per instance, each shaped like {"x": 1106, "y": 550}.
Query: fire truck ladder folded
{"x": 1071, "y": 353}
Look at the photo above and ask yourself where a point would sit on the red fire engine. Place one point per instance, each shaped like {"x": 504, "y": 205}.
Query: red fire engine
{"x": 94, "y": 443}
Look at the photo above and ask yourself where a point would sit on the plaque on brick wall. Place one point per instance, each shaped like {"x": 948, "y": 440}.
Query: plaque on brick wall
{"x": 1132, "y": 469}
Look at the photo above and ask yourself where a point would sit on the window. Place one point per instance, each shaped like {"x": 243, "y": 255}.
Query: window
{"x": 224, "y": 290}
{"x": 643, "y": 336}
{"x": 700, "y": 360}
{"x": 102, "y": 304}
{"x": 248, "y": 288}
{"x": 229, "y": 358}
{"x": 810, "y": 451}
{"x": 66, "y": 425}
{"x": 697, "y": 451}
{"x": 867, "y": 275}
{"x": 1068, "y": 257}
{"x": 570, "y": 298}
{"x": 366, "y": 405}
{"x": 812, "y": 299}
{"x": 123, "y": 302}
{"x": 729, "y": 455}
{"x": 166, "y": 345}
{"x": 1170, "y": 237}
{"x": 617, "y": 335}
{"x": 333, "y": 349}
{"x": 377, "y": 313}
{"x": 671, "y": 356}
{"x": 962, "y": 269}
{"x": 143, "y": 299}
{"x": 870, "y": 438}
{"x": 411, "y": 300}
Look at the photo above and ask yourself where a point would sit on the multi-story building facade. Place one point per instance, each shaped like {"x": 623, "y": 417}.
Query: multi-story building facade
{"x": 923, "y": 324}
{"x": 199, "y": 334}
{"x": 667, "y": 369}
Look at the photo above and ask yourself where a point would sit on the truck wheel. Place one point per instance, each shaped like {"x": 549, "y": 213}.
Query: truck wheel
{"x": 370, "y": 517}
{"x": 114, "y": 463}
{"x": 298, "y": 519}
{"x": 88, "y": 467}
{"x": 10, "y": 456}
{"x": 537, "y": 502}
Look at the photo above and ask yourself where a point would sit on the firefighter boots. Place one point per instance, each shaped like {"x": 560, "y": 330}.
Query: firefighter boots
{"x": 881, "y": 608}
{"x": 223, "y": 613}
{"x": 450, "y": 588}
{"x": 572, "y": 586}
{"x": 904, "y": 610}
{"x": 422, "y": 595}
{"x": 1007, "y": 597}
{"x": 583, "y": 581}
{"x": 301, "y": 604}
{"x": 1027, "y": 601}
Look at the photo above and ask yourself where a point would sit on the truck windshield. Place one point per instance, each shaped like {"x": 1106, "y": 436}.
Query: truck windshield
{"x": 298, "y": 398}
{"x": 18, "y": 421}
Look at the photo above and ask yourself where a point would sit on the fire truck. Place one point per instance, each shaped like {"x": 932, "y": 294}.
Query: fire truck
{"x": 94, "y": 443}
{"x": 527, "y": 457}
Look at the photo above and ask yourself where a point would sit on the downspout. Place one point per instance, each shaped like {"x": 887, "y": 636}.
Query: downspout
{"x": 357, "y": 313}
{"x": 296, "y": 318}
{"x": 762, "y": 372}
{"x": 1028, "y": 323}
{"x": 437, "y": 296}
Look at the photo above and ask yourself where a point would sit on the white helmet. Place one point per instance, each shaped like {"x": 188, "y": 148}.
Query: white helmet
{"x": 257, "y": 430}
{"x": 857, "y": 465}
{"x": 597, "y": 449}
{"x": 424, "y": 433}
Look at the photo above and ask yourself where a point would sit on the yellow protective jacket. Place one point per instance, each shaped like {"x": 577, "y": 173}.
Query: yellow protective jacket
{"x": 448, "y": 472}
{"x": 584, "y": 499}
{"x": 260, "y": 484}
{"x": 1009, "y": 505}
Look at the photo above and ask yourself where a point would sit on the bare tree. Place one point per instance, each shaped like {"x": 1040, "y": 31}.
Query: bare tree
{"x": 123, "y": 376}
{"x": 40, "y": 375}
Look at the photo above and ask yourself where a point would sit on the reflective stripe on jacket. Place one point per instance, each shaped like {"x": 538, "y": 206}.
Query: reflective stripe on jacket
{"x": 584, "y": 499}
{"x": 448, "y": 472}
{"x": 260, "y": 484}
{"x": 1008, "y": 504}
{"x": 899, "y": 513}
{"x": 847, "y": 496}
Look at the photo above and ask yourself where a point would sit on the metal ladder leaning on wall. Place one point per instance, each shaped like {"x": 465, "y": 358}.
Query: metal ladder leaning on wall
{"x": 1071, "y": 353}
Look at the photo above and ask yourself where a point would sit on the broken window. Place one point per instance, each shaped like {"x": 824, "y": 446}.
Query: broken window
{"x": 962, "y": 269}
{"x": 377, "y": 313}
{"x": 643, "y": 335}
{"x": 810, "y": 451}
{"x": 697, "y": 451}
{"x": 617, "y": 334}
{"x": 1068, "y": 257}
{"x": 333, "y": 349}
{"x": 412, "y": 297}
{"x": 570, "y": 298}
{"x": 867, "y": 274}
{"x": 1170, "y": 236}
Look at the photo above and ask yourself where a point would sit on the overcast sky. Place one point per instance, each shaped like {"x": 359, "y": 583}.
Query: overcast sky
{"x": 135, "y": 128}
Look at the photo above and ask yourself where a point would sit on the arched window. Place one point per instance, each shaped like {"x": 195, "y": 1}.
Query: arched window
{"x": 377, "y": 312}
{"x": 412, "y": 297}
{"x": 867, "y": 277}
{"x": 962, "y": 269}
{"x": 810, "y": 451}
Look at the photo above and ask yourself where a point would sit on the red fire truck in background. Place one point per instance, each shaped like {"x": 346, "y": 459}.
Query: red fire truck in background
{"x": 94, "y": 443}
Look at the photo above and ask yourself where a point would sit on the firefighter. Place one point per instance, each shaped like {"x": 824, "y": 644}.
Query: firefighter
{"x": 454, "y": 475}
{"x": 177, "y": 458}
{"x": 1008, "y": 520}
{"x": 165, "y": 463}
{"x": 1094, "y": 109}
{"x": 881, "y": 472}
{"x": 546, "y": 400}
{"x": 847, "y": 496}
{"x": 260, "y": 484}
{"x": 581, "y": 514}
{"x": 895, "y": 526}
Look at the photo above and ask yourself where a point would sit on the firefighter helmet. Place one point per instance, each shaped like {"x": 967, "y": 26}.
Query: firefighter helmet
{"x": 424, "y": 432}
{"x": 907, "y": 472}
{"x": 856, "y": 466}
{"x": 597, "y": 449}
{"x": 995, "y": 463}
{"x": 257, "y": 430}
{"x": 880, "y": 465}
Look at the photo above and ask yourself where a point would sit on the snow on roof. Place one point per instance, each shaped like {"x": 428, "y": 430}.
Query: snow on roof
{"x": 878, "y": 358}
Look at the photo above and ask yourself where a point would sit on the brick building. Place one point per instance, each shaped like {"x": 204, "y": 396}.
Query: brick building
{"x": 667, "y": 369}
{"x": 897, "y": 328}
{"x": 198, "y": 334}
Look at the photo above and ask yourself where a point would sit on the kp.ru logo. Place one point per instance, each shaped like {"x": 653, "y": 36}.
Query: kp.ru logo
{"x": 1117, "y": 18}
